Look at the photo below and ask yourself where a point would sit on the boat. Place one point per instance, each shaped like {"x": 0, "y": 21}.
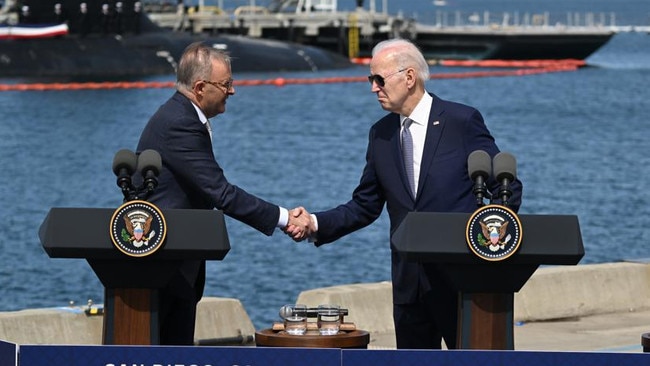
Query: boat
{"x": 56, "y": 40}
{"x": 354, "y": 33}
{"x": 514, "y": 43}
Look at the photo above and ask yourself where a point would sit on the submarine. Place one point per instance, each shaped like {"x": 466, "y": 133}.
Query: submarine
{"x": 112, "y": 40}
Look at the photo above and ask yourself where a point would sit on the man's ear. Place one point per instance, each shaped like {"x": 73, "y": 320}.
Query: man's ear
{"x": 198, "y": 87}
{"x": 410, "y": 77}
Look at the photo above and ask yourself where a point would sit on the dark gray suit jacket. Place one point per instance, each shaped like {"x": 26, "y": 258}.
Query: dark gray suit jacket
{"x": 191, "y": 178}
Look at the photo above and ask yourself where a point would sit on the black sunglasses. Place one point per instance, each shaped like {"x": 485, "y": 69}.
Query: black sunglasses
{"x": 381, "y": 80}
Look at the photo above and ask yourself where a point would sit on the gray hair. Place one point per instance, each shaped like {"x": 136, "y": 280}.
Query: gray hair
{"x": 196, "y": 64}
{"x": 406, "y": 54}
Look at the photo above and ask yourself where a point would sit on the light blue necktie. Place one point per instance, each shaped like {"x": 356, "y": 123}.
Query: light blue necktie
{"x": 407, "y": 154}
{"x": 207, "y": 125}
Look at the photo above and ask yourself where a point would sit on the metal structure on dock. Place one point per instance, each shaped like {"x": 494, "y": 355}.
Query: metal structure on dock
{"x": 353, "y": 33}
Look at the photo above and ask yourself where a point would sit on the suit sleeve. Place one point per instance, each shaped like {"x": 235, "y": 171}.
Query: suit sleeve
{"x": 188, "y": 154}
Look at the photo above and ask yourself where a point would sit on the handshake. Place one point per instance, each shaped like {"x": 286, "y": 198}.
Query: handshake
{"x": 300, "y": 225}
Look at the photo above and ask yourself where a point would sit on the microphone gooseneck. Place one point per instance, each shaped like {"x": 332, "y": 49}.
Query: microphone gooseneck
{"x": 124, "y": 165}
{"x": 149, "y": 166}
{"x": 505, "y": 172}
{"x": 479, "y": 166}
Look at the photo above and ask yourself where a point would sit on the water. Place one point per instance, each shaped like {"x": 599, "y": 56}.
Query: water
{"x": 580, "y": 139}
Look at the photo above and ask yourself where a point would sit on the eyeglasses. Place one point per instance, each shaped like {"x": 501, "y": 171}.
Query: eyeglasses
{"x": 381, "y": 80}
{"x": 227, "y": 84}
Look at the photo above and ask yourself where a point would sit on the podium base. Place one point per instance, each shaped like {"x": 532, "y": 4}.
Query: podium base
{"x": 485, "y": 321}
{"x": 131, "y": 317}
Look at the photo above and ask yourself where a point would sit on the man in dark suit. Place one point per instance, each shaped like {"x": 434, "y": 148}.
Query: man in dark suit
{"x": 443, "y": 134}
{"x": 191, "y": 178}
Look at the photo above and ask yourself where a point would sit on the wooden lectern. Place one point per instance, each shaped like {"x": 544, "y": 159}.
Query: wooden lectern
{"x": 486, "y": 289}
{"x": 131, "y": 284}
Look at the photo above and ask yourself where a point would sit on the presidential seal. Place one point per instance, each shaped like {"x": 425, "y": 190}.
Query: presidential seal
{"x": 493, "y": 232}
{"x": 138, "y": 228}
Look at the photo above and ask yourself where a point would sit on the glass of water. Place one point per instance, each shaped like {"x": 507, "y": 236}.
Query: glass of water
{"x": 329, "y": 319}
{"x": 295, "y": 319}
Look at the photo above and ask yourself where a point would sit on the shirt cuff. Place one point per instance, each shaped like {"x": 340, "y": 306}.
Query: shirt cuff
{"x": 283, "y": 220}
{"x": 313, "y": 238}
{"x": 315, "y": 221}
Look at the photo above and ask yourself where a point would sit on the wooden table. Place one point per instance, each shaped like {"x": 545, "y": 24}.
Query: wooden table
{"x": 311, "y": 339}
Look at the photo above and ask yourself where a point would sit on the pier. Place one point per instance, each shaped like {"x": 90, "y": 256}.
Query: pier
{"x": 448, "y": 35}
{"x": 585, "y": 308}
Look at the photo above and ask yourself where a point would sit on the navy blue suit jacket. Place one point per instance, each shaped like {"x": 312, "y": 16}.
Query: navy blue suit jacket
{"x": 191, "y": 178}
{"x": 454, "y": 131}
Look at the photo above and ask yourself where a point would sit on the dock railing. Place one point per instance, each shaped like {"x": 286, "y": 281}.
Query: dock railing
{"x": 517, "y": 19}
{"x": 253, "y": 23}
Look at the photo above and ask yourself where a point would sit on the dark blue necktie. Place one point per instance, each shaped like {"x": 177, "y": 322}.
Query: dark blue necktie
{"x": 407, "y": 154}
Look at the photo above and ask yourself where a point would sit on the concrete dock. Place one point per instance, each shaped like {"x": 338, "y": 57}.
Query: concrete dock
{"x": 600, "y": 307}
{"x": 593, "y": 308}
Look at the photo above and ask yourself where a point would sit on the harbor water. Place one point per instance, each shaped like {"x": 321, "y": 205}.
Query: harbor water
{"x": 580, "y": 139}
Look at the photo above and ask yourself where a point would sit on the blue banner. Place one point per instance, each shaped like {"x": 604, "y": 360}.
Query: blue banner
{"x": 7, "y": 354}
{"x": 175, "y": 356}
{"x": 490, "y": 358}
{"x": 41, "y": 355}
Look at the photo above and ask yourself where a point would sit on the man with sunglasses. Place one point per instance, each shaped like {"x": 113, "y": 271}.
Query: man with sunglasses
{"x": 191, "y": 178}
{"x": 442, "y": 135}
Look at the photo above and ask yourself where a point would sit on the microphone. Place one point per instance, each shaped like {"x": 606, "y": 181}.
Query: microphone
{"x": 149, "y": 166}
{"x": 505, "y": 172}
{"x": 479, "y": 165}
{"x": 124, "y": 163}
{"x": 286, "y": 311}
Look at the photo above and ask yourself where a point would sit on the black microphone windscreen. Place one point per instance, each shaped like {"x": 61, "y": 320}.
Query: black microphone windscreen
{"x": 479, "y": 163}
{"x": 124, "y": 159}
{"x": 149, "y": 160}
{"x": 505, "y": 166}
